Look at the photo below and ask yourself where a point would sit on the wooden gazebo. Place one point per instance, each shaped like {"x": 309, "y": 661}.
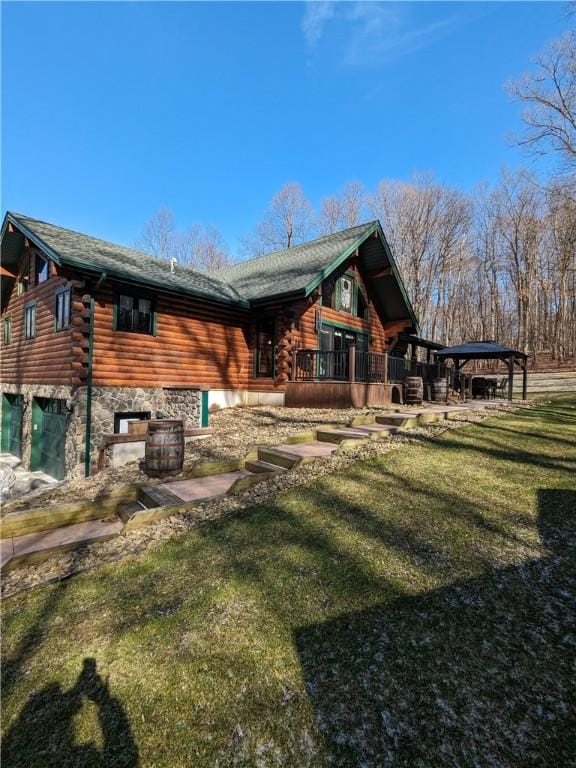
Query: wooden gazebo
{"x": 488, "y": 350}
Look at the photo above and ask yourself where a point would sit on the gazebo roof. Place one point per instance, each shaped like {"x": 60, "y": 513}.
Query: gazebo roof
{"x": 481, "y": 350}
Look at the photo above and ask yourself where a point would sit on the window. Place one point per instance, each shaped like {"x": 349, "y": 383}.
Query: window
{"x": 123, "y": 420}
{"x": 24, "y": 279}
{"x": 30, "y": 321}
{"x": 134, "y": 314}
{"x": 42, "y": 269}
{"x": 361, "y": 305}
{"x": 62, "y": 310}
{"x": 346, "y": 294}
{"x": 264, "y": 357}
{"x": 7, "y": 330}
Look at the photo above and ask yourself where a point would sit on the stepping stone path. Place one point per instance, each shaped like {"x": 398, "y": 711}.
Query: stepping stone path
{"x": 163, "y": 500}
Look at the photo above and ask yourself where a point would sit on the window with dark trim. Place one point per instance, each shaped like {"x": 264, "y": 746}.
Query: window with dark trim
{"x": 7, "y": 330}
{"x": 30, "y": 321}
{"x": 265, "y": 349}
{"x": 42, "y": 269}
{"x": 134, "y": 314}
{"x": 62, "y": 310}
{"x": 346, "y": 294}
{"x": 24, "y": 278}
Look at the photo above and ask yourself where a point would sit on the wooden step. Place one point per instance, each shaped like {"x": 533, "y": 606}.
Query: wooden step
{"x": 35, "y": 547}
{"x": 401, "y": 420}
{"x": 339, "y": 435}
{"x": 279, "y": 458}
{"x": 263, "y": 467}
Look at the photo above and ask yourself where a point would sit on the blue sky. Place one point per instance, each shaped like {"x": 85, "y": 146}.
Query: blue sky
{"x": 112, "y": 110}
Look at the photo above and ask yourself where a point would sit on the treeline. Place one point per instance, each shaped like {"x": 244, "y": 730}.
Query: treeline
{"x": 497, "y": 264}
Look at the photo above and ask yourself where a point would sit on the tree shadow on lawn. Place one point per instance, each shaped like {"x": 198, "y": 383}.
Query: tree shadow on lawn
{"x": 478, "y": 673}
{"x": 43, "y": 735}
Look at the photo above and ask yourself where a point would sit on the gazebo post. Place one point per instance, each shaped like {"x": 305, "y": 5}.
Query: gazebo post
{"x": 524, "y": 380}
{"x": 510, "y": 376}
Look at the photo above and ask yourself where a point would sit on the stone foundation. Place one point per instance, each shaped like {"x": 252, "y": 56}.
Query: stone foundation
{"x": 184, "y": 403}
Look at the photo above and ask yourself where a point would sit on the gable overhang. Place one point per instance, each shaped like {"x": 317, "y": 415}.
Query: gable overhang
{"x": 119, "y": 275}
{"x": 384, "y": 286}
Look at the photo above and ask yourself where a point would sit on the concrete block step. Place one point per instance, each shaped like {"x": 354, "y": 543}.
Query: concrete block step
{"x": 263, "y": 467}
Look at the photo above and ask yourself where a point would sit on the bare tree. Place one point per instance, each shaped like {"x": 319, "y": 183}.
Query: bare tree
{"x": 157, "y": 236}
{"x": 549, "y": 94}
{"x": 342, "y": 210}
{"x": 288, "y": 221}
{"x": 426, "y": 225}
{"x": 201, "y": 247}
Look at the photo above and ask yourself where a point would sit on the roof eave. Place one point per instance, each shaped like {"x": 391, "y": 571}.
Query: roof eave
{"x": 31, "y": 236}
{"x": 127, "y": 278}
{"x": 271, "y": 298}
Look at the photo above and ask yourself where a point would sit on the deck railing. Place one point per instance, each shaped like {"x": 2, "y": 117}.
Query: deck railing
{"x": 353, "y": 365}
{"x": 339, "y": 365}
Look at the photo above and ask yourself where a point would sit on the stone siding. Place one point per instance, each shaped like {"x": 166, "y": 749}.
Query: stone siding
{"x": 106, "y": 401}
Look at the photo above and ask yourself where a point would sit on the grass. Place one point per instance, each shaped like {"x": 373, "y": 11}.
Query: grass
{"x": 417, "y": 610}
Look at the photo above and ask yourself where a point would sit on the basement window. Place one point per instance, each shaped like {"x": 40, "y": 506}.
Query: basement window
{"x": 123, "y": 420}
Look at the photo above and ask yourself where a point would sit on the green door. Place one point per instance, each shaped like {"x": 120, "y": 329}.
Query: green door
{"x": 12, "y": 424}
{"x": 49, "y": 436}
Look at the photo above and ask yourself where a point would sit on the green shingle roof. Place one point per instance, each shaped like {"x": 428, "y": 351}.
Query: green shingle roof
{"x": 295, "y": 269}
{"x": 78, "y": 250}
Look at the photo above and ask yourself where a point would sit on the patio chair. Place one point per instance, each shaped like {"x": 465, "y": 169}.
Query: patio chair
{"x": 501, "y": 387}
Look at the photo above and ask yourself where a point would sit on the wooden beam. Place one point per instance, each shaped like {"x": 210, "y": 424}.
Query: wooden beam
{"x": 6, "y": 272}
{"x": 382, "y": 272}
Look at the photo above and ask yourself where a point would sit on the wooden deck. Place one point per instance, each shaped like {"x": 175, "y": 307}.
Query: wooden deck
{"x": 340, "y": 394}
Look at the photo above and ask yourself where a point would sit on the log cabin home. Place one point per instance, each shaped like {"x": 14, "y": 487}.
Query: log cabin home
{"x": 97, "y": 337}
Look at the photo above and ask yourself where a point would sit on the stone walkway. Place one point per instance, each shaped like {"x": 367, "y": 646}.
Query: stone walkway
{"x": 167, "y": 499}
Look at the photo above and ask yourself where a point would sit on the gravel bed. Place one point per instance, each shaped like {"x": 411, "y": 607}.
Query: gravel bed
{"x": 62, "y": 566}
{"x": 236, "y": 432}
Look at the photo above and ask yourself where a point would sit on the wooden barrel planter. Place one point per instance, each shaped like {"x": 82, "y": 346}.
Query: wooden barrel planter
{"x": 164, "y": 452}
{"x": 439, "y": 390}
{"x": 414, "y": 390}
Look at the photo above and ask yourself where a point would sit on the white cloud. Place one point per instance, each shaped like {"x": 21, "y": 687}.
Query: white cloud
{"x": 372, "y": 32}
{"x": 316, "y": 16}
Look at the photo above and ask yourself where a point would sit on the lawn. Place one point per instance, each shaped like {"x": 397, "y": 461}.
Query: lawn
{"x": 416, "y": 610}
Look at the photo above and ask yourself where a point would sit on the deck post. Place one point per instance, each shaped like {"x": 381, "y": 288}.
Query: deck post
{"x": 293, "y": 371}
{"x": 510, "y": 376}
{"x": 352, "y": 363}
{"x": 386, "y": 378}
